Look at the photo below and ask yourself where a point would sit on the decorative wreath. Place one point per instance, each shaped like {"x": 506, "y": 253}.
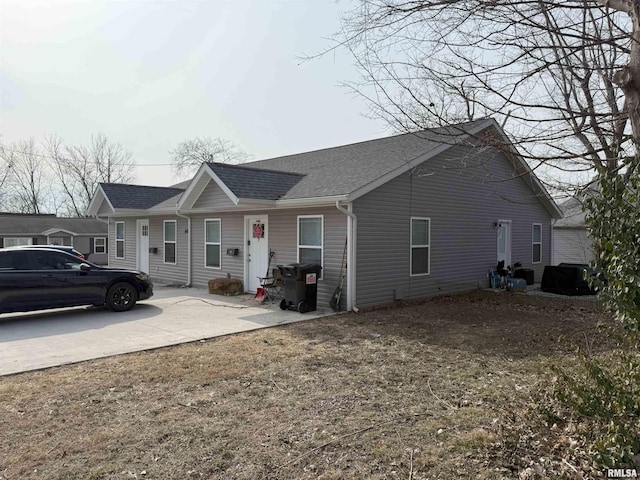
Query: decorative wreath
{"x": 258, "y": 230}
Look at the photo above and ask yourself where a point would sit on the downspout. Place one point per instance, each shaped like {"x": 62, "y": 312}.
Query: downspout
{"x": 352, "y": 230}
{"x": 188, "y": 284}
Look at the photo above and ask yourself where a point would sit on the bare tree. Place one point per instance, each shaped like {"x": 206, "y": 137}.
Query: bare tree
{"x": 190, "y": 154}
{"x": 28, "y": 185}
{"x": 561, "y": 76}
{"x": 79, "y": 169}
{"x": 6, "y": 162}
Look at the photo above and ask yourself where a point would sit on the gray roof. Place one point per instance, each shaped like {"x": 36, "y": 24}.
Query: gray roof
{"x": 16, "y": 224}
{"x": 137, "y": 196}
{"x": 573, "y": 214}
{"x": 258, "y": 183}
{"x": 344, "y": 169}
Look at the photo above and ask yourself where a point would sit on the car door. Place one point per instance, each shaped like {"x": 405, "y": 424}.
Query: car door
{"x": 62, "y": 281}
{"x": 20, "y": 283}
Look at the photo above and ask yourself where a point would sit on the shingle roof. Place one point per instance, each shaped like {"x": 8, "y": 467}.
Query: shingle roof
{"x": 258, "y": 183}
{"x": 137, "y": 196}
{"x": 574, "y": 214}
{"x": 36, "y": 224}
{"x": 344, "y": 169}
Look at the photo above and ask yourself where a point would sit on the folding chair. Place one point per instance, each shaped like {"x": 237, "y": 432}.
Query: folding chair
{"x": 272, "y": 286}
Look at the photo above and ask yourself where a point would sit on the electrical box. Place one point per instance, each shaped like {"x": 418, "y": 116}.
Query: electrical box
{"x": 234, "y": 252}
{"x": 153, "y": 249}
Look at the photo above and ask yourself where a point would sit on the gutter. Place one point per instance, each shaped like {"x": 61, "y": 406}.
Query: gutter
{"x": 188, "y": 284}
{"x": 352, "y": 231}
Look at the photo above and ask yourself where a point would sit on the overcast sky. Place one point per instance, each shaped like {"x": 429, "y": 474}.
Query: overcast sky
{"x": 152, "y": 73}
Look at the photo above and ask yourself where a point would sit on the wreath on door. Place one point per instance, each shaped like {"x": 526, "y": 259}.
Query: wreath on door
{"x": 258, "y": 230}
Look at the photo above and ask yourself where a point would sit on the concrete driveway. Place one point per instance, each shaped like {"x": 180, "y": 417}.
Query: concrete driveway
{"x": 30, "y": 341}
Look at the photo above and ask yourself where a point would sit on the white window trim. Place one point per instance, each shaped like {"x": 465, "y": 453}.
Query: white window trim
{"x": 95, "y": 245}
{"x": 29, "y": 240}
{"x": 124, "y": 236}
{"x": 212, "y": 243}
{"x": 321, "y": 247}
{"x": 165, "y": 241}
{"x": 533, "y": 243}
{"x": 412, "y": 246}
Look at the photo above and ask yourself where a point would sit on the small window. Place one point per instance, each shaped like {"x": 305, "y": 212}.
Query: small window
{"x": 99, "y": 245}
{"x": 212, "y": 243}
{"x": 536, "y": 242}
{"x": 310, "y": 239}
{"x": 170, "y": 241}
{"x": 119, "y": 239}
{"x": 420, "y": 246}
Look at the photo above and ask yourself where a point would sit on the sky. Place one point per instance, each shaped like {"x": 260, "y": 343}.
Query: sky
{"x": 150, "y": 74}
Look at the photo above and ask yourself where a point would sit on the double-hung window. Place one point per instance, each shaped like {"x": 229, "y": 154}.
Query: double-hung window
{"x": 212, "y": 243}
{"x": 310, "y": 239}
{"x": 536, "y": 243}
{"x": 99, "y": 245}
{"x": 170, "y": 241}
{"x": 420, "y": 246}
{"x": 119, "y": 239}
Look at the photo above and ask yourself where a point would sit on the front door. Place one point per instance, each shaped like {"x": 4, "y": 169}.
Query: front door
{"x": 504, "y": 242}
{"x": 257, "y": 235}
{"x": 142, "y": 245}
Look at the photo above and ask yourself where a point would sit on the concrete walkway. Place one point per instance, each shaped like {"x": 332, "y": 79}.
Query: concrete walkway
{"x": 35, "y": 340}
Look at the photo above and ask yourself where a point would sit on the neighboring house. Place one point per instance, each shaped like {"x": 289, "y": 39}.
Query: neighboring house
{"x": 571, "y": 242}
{"x": 421, "y": 214}
{"x": 87, "y": 235}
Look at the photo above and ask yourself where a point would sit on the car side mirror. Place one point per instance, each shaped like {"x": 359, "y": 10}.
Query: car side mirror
{"x": 85, "y": 267}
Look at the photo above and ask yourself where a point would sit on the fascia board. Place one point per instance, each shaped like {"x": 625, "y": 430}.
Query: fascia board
{"x": 419, "y": 159}
{"x": 310, "y": 201}
{"x": 398, "y": 171}
{"x": 192, "y": 192}
{"x": 49, "y": 231}
{"x": 92, "y": 209}
{"x": 549, "y": 202}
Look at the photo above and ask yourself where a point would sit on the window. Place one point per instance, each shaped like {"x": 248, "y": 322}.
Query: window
{"x": 119, "y": 239}
{"x": 45, "y": 260}
{"x": 212, "y": 243}
{"x": 170, "y": 241}
{"x": 420, "y": 246}
{"x": 310, "y": 236}
{"x": 99, "y": 245}
{"x": 11, "y": 260}
{"x": 536, "y": 242}
{"x": 17, "y": 241}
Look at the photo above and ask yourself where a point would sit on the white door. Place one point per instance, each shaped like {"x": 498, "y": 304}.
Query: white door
{"x": 257, "y": 235}
{"x": 142, "y": 245}
{"x": 504, "y": 242}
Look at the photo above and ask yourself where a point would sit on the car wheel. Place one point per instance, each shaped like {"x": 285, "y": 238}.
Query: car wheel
{"x": 121, "y": 297}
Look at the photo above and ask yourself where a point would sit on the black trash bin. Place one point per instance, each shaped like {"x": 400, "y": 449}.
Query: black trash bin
{"x": 300, "y": 286}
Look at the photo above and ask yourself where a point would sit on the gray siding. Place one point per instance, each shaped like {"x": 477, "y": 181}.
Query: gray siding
{"x": 129, "y": 260}
{"x": 282, "y": 240}
{"x": 462, "y": 193}
{"x": 212, "y": 197}
{"x": 104, "y": 209}
{"x": 167, "y": 272}
{"x": 572, "y": 245}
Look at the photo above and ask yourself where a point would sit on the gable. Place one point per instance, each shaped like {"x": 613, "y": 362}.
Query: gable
{"x": 212, "y": 197}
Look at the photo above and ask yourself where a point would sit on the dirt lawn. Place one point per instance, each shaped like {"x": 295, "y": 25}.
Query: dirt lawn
{"x": 435, "y": 390}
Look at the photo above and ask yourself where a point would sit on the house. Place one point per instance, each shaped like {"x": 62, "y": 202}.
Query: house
{"x": 571, "y": 241}
{"x": 87, "y": 235}
{"x": 420, "y": 214}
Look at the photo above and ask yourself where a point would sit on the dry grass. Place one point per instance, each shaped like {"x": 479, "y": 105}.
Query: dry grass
{"x": 438, "y": 389}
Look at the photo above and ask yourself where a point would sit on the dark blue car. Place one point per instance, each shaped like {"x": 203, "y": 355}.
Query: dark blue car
{"x": 40, "y": 278}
